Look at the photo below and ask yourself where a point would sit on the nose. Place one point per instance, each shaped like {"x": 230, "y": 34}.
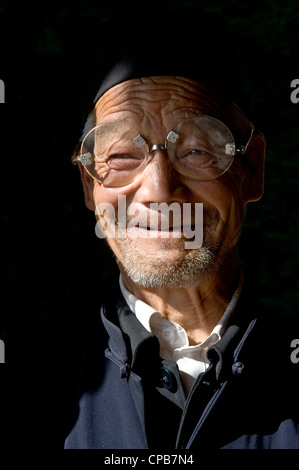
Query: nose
{"x": 160, "y": 182}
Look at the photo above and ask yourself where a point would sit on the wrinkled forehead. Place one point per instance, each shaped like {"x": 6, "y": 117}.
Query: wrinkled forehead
{"x": 160, "y": 101}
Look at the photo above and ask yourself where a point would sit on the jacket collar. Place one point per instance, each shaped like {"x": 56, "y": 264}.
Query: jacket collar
{"x": 130, "y": 342}
{"x": 138, "y": 349}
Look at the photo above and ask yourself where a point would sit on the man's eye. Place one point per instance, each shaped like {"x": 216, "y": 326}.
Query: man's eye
{"x": 197, "y": 159}
{"x": 124, "y": 161}
{"x": 195, "y": 152}
{"x": 120, "y": 156}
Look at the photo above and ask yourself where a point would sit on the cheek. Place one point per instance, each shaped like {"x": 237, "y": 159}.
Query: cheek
{"x": 104, "y": 195}
{"x": 225, "y": 194}
{"x": 108, "y": 202}
{"x": 231, "y": 205}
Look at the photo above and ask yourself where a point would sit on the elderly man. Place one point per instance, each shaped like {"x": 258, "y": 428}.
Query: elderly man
{"x": 180, "y": 355}
{"x": 183, "y": 358}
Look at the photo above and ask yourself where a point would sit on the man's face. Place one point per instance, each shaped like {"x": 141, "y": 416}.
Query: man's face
{"x": 155, "y": 106}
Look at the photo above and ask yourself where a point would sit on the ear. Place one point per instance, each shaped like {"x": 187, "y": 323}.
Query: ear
{"x": 88, "y": 184}
{"x": 255, "y": 155}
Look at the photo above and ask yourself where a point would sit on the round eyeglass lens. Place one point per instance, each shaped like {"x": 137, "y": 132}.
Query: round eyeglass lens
{"x": 112, "y": 156}
{"x": 204, "y": 149}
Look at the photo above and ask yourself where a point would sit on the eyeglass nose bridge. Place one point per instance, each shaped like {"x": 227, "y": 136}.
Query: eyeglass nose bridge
{"x": 157, "y": 147}
{"x": 172, "y": 137}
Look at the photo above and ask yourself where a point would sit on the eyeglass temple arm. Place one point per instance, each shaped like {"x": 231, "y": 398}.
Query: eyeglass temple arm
{"x": 243, "y": 148}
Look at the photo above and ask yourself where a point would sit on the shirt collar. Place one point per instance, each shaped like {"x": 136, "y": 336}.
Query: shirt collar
{"x": 152, "y": 319}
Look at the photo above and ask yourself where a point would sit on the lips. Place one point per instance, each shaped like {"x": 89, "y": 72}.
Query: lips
{"x": 162, "y": 228}
{"x": 158, "y": 222}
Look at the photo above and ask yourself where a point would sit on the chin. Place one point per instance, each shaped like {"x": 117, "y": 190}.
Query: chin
{"x": 171, "y": 269}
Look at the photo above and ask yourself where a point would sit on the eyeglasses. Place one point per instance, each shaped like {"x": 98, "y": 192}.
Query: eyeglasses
{"x": 201, "y": 148}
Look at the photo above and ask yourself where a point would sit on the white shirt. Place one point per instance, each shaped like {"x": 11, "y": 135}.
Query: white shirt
{"x": 173, "y": 339}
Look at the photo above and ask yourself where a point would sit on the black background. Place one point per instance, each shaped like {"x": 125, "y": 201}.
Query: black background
{"x": 54, "y": 266}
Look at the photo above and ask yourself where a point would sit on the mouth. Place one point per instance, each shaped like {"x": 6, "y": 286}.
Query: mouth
{"x": 184, "y": 232}
{"x": 162, "y": 228}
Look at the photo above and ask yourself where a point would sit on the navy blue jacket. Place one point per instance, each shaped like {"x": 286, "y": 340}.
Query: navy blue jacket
{"x": 103, "y": 387}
